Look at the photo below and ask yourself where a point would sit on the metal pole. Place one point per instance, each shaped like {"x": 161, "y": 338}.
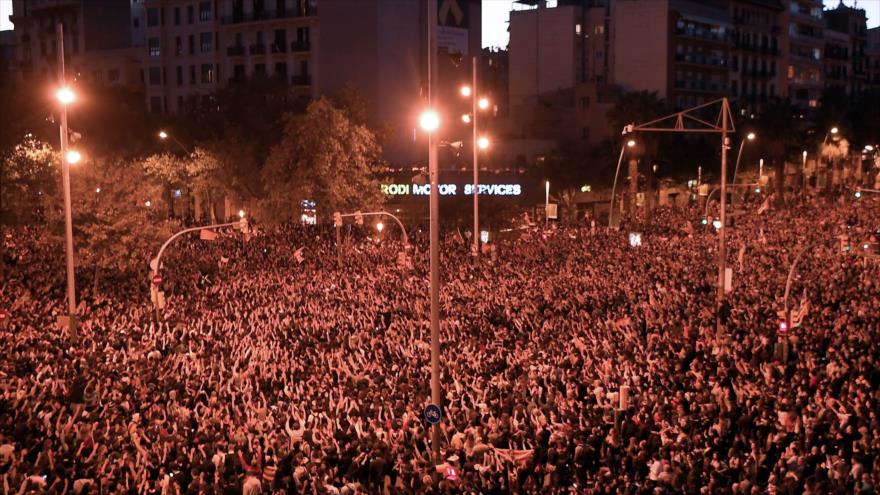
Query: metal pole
{"x": 721, "y": 232}
{"x": 339, "y": 246}
{"x": 738, "y": 156}
{"x": 547, "y": 205}
{"x": 476, "y": 161}
{"x": 65, "y": 174}
{"x": 614, "y": 187}
{"x": 434, "y": 231}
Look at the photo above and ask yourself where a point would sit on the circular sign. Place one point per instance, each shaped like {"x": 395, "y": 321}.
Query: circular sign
{"x": 157, "y": 279}
{"x": 432, "y": 413}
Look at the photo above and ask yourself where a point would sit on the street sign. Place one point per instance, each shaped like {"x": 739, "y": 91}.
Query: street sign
{"x": 157, "y": 279}
{"x": 432, "y": 414}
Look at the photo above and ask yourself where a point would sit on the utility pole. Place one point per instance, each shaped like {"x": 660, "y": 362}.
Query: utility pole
{"x": 474, "y": 112}
{"x": 65, "y": 180}
{"x": 722, "y": 231}
{"x": 434, "y": 229}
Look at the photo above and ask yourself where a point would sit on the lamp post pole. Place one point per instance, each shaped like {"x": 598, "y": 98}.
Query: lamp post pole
{"x": 474, "y": 112}
{"x": 434, "y": 229}
{"x": 65, "y": 180}
{"x": 722, "y": 231}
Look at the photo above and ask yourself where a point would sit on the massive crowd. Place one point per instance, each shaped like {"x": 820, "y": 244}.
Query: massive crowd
{"x": 572, "y": 362}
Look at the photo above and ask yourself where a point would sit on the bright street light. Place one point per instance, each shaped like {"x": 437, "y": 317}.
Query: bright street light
{"x": 163, "y": 135}
{"x": 834, "y": 130}
{"x": 483, "y": 103}
{"x": 483, "y": 142}
{"x": 97, "y": 190}
{"x": 429, "y": 120}
{"x": 631, "y": 143}
{"x": 466, "y": 118}
{"x": 750, "y": 136}
{"x": 380, "y": 226}
{"x": 73, "y": 157}
{"x": 868, "y": 147}
{"x": 65, "y": 95}
{"x": 465, "y": 91}
{"x": 240, "y": 213}
{"x": 148, "y": 203}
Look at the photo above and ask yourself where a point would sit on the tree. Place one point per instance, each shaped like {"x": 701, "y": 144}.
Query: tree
{"x": 636, "y": 107}
{"x": 566, "y": 201}
{"x": 777, "y": 131}
{"x": 115, "y": 232}
{"x": 26, "y": 173}
{"x": 323, "y": 157}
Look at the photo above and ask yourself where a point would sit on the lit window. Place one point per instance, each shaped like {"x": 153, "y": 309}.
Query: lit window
{"x": 154, "y": 47}
{"x": 577, "y": 29}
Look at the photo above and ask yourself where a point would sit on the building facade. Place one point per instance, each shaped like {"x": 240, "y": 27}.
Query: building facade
{"x": 756, "y": 56}
{"x": 97, "y": 40}
{"x": 872, "y": 59}
{"x": 193, "y": 48}
{"x": 851, "y": 23}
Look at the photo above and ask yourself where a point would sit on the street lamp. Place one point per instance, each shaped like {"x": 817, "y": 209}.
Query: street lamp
{"x": 465, "y": 91}
{"x": 466, "y": 118}
{"x": 240, "y": 213}
{"x": 73, "y": 157}
{"x": 163, "y": 135}
{"x": 749, "y": 137}
{"x": 65, "y": 97}
{"x": 148, "y": 203}
{"x": 483, "y": 103}
{"x": 477, "y": 104}
{"x": 483, "y": 142}
{"x": 628, "y": 144}
{"x": 380, "y": 226}
{"x": 429, "y": 121}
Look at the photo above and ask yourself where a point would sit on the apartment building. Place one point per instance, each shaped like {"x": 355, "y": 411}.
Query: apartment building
{"x": 756, "y": 57}
{"x": 872, "y": 59}
{"x": 851, "y": 22}
{"x": 803, "y": 43}
{"x": 195, "y": 47}
{"x": 98, "y": 40}
{"x": 837, "y": 60}
{"x": 679, "y": 48}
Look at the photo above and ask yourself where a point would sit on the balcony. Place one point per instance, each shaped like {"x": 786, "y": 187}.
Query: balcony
{"x": 258, "y": 49}
{"x": 700, "y": 86}
{"x": 300, "y": 46}
{"x": 752, "y": 48}
{"x": 696, "y": 59}
{"x": 304, "y": 80}
{"x": 702, "y": 34}
{"x": 759, "y": 73}
{"x": 279, "y": 47}
{"x": 235, "y": 51}
{"x": 265, "y": 15}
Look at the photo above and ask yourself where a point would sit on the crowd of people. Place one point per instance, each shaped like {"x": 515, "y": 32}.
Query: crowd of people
{"x": 572, "y": 362}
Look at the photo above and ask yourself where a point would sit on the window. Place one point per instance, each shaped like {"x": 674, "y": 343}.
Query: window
{"x": 585, "y": 102}
{"x": 98, "y": 76}
{"x": 600, "y": 29}
{"x": 817, "y": 54}
{"x": 179, "y": 102}
{"x": 204, "y": 11}
{"x": 155, "y": 50}
{"x": 180, "y": 75}
{"x": 155, "y": 76}
{"x": 155, "y": 104}
{"x": 207, "y": 73}
{"x": 207, "y": 42}
{"x": 192, "y": 44}
{"x": 178, "y": 43}
{"x": 577, "y": 29}
{"x": 192, "y": 74}
{"x": 791, "y": 72}
{"x": 136, "y": 22}
{"x": 190, "y": 16}
{"x": 281, "y": 70}
{"x": 260, "y": 69}
{"x": 152, "y": 17}
{"x": 113, "y": 76}
{"x": 177, "y": 16}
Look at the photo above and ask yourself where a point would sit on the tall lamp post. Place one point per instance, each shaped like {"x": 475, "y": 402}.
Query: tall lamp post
{"x": 430, "y": 122}
{"x": 626, "y": 144}
{"x": 749, "y": 137}
{"x": 480, "y": 143}
{"x": 164, "y": 136}
{"x": 66, "y": 96}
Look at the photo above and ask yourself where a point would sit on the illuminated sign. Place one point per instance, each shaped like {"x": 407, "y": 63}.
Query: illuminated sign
{"x": 452, "y": 189}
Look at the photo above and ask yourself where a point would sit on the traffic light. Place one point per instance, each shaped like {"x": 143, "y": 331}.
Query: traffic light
{"x": 337, "y": 219}
{"x": 358, "y": 218}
